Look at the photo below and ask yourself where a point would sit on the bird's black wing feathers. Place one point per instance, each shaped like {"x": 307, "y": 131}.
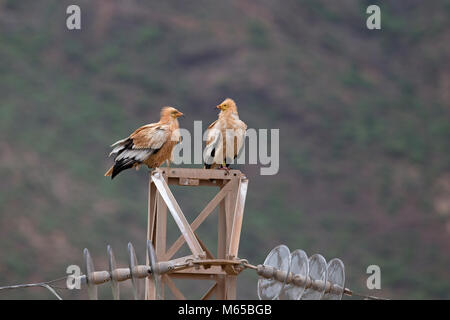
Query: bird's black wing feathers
{"x": 128, "y": 157}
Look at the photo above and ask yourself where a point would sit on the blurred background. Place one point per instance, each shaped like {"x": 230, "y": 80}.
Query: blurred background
{"x": 363, "y": 118}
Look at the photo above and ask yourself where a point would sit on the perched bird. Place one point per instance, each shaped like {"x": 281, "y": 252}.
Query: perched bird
{"x": 219, "y": 151}
{"x": 151, "y": 144}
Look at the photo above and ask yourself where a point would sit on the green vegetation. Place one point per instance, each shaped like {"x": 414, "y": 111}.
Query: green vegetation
{"x": 363, "y": 118}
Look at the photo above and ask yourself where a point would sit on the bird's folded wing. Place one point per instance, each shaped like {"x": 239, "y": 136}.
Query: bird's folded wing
{"x": 213, "y": 138}
{"x": 212, "y": 124}
{"x": 240, "y": 131}
{"x": 142, "y": 143}
{"x": 150, "y": 136}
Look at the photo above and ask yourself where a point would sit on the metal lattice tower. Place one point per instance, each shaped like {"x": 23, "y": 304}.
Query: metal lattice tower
{"x": 284, "y": 275}
{"x": 230, "y": 199}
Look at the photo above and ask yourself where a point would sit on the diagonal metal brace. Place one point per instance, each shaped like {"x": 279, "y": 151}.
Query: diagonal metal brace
{"x": 237, "y": 219}
{"x": 177, "y": 214}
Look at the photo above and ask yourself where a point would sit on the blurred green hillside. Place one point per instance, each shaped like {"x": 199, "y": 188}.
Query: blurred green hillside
{"x": 363, "y": 117}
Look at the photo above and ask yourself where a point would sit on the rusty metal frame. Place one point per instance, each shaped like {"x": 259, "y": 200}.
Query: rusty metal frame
{"x": 230, "y": 200}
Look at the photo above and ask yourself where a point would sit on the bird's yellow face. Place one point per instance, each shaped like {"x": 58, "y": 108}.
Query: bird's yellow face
{"x": 175, "y": 113}
{"x": 225, "y": 105}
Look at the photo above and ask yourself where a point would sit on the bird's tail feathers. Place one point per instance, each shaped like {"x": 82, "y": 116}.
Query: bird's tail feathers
{"x": 119, "y": 142}
{"x": 121, "y": 165}
{"x": 109, "y": 172}
{"x": 121, "y": 145}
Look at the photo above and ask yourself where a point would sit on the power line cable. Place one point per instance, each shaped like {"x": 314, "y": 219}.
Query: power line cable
{"x": 46, "y": 284}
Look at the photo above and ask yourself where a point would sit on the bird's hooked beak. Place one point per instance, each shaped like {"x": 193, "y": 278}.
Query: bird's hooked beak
{"x": 180, "y": 114}
{"x": 219, "y": 107}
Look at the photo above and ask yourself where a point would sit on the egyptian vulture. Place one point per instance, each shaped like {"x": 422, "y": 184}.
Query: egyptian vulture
{"x": 220, "y": 152}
